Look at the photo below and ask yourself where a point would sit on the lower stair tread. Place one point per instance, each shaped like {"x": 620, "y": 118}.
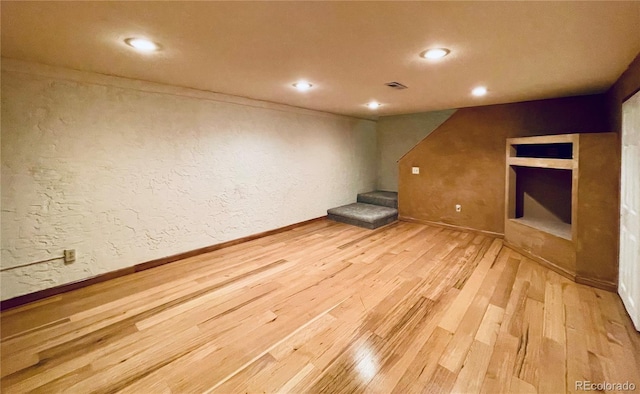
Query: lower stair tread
{"x": 363, "y": 215}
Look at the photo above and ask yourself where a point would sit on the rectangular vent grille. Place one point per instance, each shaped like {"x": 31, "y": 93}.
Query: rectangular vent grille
{"x": 396, "y": 85}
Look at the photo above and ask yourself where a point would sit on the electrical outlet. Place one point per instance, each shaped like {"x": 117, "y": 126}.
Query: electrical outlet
{"x": 69, "y": 256}
{"x": 415, "y": 170}
{"x": 458, "y": 207}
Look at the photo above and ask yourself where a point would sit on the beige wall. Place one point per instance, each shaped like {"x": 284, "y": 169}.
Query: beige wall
{"x": 396, "y": 136}
{"x": 126, "y": 171}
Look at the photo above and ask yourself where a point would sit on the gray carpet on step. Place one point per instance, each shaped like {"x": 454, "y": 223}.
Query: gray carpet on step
{"x": 363, "y": 215}
{"x": 379, "y": 197}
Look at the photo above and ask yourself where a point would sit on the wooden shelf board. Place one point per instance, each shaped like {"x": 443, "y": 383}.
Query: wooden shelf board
{"x": 563, "y": 164}
{"x": 559, "y": 229}
{"x": 543, "y": 139}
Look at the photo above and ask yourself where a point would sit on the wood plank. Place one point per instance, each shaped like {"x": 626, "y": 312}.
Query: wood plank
{"x": 543, "y": 139}
{"x": 425, "y": 364}
{"x": 597, "y": 341}
{"x": 407, "y": 352}
{"x": 503, "y": 360}
{"x": 441, "y": 381}
{"x": 522, "y": 387}
{"x": 578, "y": 364}
{"x": 527, "y": 362}
{"x": 562, "y": 164}
{"x": 473, "y": 371}
{"x": 553, "y": 367}
{"x": 624, "y": 359}
{"x": 471, "y": 288}
{"x": 490, "y": 325}
{"x": 554, "y": 321}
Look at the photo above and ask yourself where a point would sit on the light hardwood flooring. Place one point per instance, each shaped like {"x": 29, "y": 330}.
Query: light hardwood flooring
{"x": 327, "y": 307}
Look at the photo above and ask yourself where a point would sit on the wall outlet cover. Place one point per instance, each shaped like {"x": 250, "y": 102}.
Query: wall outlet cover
{"x": 415, "y": 170}
{"x": 69, "y": 256}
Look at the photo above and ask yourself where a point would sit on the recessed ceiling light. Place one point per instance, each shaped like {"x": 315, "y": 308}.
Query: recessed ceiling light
{"x": 302, "y": 86}
{"x": 435, "y": 53}
{"x": 479, "y": 91}
{"x": 373, "y": 105}
{"x": 142, "y": 44}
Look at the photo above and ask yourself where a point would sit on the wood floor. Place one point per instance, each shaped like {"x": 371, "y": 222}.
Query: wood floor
{"x": 327, "y": 307}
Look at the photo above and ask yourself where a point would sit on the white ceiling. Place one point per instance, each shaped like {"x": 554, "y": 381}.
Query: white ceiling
{"x": 348, "y": 50}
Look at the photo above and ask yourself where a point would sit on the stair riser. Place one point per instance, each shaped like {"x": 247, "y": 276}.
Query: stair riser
{"x": 384, "y": 202}
{"x": 363, "y": 224}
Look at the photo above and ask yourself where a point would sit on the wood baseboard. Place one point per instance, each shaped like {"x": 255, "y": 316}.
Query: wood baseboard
{"x": 53, "y": 291}
{"x": 598, "y": 283}
{"x": 451, "y": 226}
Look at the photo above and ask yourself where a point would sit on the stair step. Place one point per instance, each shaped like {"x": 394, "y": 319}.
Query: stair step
{"x": 379, "y": 197}
{"x": 363, "y": 215}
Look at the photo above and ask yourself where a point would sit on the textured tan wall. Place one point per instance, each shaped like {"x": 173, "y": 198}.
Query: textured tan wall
{"x": 462, "y": 162}
{"x": 597, "y": 208}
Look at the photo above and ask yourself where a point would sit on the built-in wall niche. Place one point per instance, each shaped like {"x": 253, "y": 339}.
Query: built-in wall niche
{"x": 543, "y": 199}
{"x": 540, "y": 180}
{"x": 558, "y": 150}
{"x": 558, "y": 198}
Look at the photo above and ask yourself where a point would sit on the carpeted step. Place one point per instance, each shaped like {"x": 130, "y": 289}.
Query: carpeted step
{"x": 379, "y": 197}
{"x": 363, "y": 215}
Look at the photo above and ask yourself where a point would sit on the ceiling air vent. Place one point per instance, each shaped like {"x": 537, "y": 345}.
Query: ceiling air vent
{"x": 396, "y": 85}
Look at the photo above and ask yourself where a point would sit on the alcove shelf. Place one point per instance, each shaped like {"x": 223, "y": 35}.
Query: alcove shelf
{"x": 558, "y": 191}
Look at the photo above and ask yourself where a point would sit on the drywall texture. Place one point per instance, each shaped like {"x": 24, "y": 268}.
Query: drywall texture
{"x": 126, "y": 172}
{"x": 463, "y": 160}
{"x": 396, "y": 136}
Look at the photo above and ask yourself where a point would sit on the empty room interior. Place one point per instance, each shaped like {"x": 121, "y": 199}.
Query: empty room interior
{"x": 287, "y": 197}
